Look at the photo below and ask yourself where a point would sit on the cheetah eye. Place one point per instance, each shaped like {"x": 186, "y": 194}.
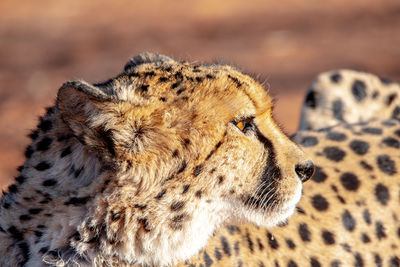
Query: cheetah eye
{"x": 245, "y": 125}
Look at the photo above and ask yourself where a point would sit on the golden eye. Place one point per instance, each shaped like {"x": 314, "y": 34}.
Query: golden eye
{"x": 240, "y": 125}
{"x": 245, "y": 125}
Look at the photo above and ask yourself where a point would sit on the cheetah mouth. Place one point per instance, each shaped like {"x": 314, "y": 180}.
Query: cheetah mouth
{"x": 270, "y": 206}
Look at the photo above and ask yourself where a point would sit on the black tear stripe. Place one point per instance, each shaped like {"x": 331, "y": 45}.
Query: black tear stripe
{"x": 271, "y": 174}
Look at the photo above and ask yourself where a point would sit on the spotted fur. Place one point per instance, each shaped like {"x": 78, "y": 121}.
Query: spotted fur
{"x": 349, "y": 213}
{"x": 143, "y": 168}
{"x": 351, "y": 97}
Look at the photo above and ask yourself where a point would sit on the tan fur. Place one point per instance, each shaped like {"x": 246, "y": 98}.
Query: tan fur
{"x": 142, "y": 169}
{"x": 348, "y": 96}
{"x": 375, "y": 238}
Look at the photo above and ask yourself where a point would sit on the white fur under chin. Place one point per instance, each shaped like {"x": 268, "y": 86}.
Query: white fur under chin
{"x": 166, "y": 249}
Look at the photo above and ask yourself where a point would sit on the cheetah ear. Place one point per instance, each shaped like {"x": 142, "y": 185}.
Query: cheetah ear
{"x": 146, "y": 57}
{"x": 77, "y": 102}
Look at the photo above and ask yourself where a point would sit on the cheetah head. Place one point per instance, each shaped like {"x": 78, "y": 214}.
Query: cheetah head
{"x": 184, "y": 149}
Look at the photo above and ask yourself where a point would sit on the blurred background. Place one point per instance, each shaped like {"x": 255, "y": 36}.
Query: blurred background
{"x": 43, "y": 43}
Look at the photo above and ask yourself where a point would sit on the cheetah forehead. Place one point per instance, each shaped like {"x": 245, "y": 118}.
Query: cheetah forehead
{"x": 152, "y": 78}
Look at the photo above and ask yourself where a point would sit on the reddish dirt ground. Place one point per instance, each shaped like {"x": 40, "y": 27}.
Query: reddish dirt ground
{"x": 285, "y": 43}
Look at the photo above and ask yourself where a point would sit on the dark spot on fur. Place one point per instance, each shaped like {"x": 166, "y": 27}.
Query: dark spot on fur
{"x": 372, "y": 130}
{"x": 176, "y": 84}
{"x": 42, "y": 166}
{"x": 34, "y": 135}
{"x": 198, "y": 193}
{"x": 20, "y": 179}
{"x": 207, "y": 260}
{"x": 77, "y": 201}
{"x": 225, "y": 246}
{"x": 15, "y": 233}
{"x": 350, "y": 181}
{"x": 28, "y": 152}
{"x": 182, "y": 167}
{"x": 386, "y": 164}
{"x": 25, "y": 217}
{"x": 391, "y": 142}
{"x": 273, "y": 243}
{"x": 314, "y": 262}
{"x": 358, "y": 90}
{"x": 319, "y": 175}
{"x": 197, "y": 170}
{"x": 163, "y": 99}
{"x": 217, "y": 254}
{"x": 328, "y": 237}
{"x": 115, "y": 215}
{"x": 359, "y": 147}
{"x": 336, "y": 136}
{"x": 385, "y": 80}
{"x": 310, "y": 100}
{"x": 78, "y": 171}
{"x": 199, "y": 79}
{"x": 304, "y": 233}
{"x": 300, "y": 210}
{"x": 308, "y": 141}
{"x": 319, "y": 202}
{"x": 365, "y": 238}
{"x": 367, "y": 216}
{"x": 394, "y": 262}
{"x": 382, "y": 193}
{"x": 334, "y": 153}
{"x": 49, "y": 182}
{"x": 175, "y": 153}
{"x": 45, "y": 125}
{"x": 290, "y": 243}
{"x": 180, "y": 91}
{"x": 366, "y": 166}
{"x": 177, "y": 206}
{"x": 337, "y": 108}
{"x": 346, "y": 247}
{"x": 139, "y": 206}
{"x": 145, "y": 224}
{"x": 336, "y": 77}
{"x": 66, "y": 152}
{"x": 163, "y": 79}
{"x": 25, "y": 250}
{"x": 348, "y": 221}
{"x": 34, "y": 211}
{"x": 185, "y": 188}
{"x": 250, "y": 243}
{"x": 161, "y": 194}
{"x": 235, "y": 80}
{"x": 390, "y": 98}
{"x": 358, "y": 260}
{"x": 291, "y": 263}
{"x": 13, "y": 188}
{"x": 396, "y": 112}
{"x": 44, "y": 144}
{"x": 380, "y": 230}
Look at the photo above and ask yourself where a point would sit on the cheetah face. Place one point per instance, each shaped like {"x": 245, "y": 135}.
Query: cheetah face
{"x": 189, "y": 147}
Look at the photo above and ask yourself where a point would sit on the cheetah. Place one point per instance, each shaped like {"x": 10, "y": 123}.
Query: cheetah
{"x": 349, "y": 212}
{"x": 142, "y": 169}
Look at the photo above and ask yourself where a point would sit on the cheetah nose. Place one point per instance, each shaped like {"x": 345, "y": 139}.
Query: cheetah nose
{"x": 305, "y": 170}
